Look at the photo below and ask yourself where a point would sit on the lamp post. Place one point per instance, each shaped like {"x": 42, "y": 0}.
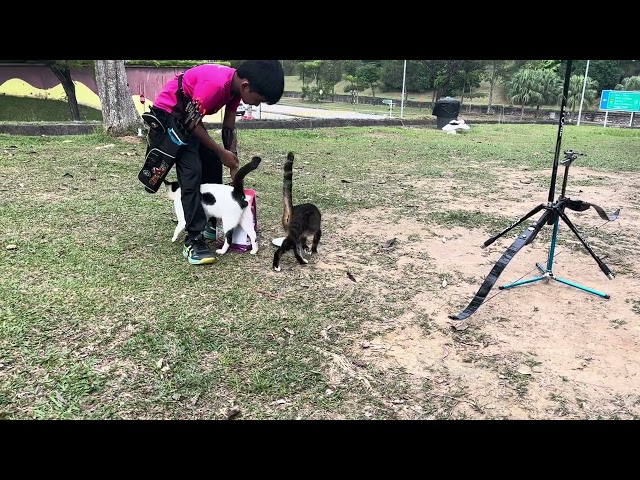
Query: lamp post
{"x": 584, "y": 84}
{"x": 404, "y": 76}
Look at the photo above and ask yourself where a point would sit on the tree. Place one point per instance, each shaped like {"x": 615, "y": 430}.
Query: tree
{"x": 606, "y": 73}
{"x": 523, "y": 89}
{"x": 548, "y": 86}
{"x": 331, "y": 73}
{"x": 353, "y": 84}
{"x": 629, "y": 83}
{"x": 369, "y": 74}
{"x": 574, "y": 95}
{"x": 62, "y": 70}
{"x": 495, "y": 70}
{"x": 446, "y": 71}
{"x": 469, "y": 75}
{"x": 118, "y": 110}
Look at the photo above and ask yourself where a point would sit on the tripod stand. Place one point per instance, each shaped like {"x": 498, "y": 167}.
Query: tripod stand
{"x": 553, "y": 212}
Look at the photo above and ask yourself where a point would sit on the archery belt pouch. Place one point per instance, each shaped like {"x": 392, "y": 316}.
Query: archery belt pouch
{"x": 166, "y": 140}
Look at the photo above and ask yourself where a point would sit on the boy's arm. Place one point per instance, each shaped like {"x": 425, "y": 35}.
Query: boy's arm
{"x": 229, "y": 137}
{"x": 229, "y": 122}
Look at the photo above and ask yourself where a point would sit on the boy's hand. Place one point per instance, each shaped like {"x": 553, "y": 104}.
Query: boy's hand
{"x": 230, "y": 160}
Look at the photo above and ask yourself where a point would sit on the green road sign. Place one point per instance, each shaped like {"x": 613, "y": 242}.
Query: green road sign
{"x": 619, "y": 101}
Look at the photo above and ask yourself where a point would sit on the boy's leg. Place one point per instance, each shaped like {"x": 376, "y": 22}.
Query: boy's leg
{"x": 211, "y": 166}
{"x": 189, "y": 173}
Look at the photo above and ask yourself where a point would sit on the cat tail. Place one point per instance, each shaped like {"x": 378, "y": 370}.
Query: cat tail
{"x": 238, "y": 181}
{"x": 287, "y": 195}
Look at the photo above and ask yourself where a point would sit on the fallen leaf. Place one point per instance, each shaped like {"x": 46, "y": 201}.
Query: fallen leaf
{"x": 351, "y": 277}
{"x": 232, "y": 412}
{"x": 195, "y": 398}
{"x": 459, "y": 325}
{"x": 67, "y": 175}
{"x": 159, "y": 363}
{"x": 525, "y": 370}
{"x": 446, "y": 352}
{"x": 345, "y": 181}
{"x": 444, "y": 283}
{"x": 11, "y": 247}
{"x": 388, "y": 243}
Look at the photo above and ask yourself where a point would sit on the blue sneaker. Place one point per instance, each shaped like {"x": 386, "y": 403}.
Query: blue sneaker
{"x": 209, "y": 232}
{"x": 197, "y": 252}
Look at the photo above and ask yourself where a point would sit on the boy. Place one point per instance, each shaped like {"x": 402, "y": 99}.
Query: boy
{"x": 211, "y": 87}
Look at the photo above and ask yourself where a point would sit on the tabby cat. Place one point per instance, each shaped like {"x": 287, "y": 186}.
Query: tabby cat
{"x": 299, "y": 222}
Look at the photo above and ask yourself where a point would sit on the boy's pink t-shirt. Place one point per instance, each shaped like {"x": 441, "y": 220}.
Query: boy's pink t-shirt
{"x": 211, "y": 83}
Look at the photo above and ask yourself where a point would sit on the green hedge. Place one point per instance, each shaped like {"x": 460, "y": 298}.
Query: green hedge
{"x": 173, "y": 63}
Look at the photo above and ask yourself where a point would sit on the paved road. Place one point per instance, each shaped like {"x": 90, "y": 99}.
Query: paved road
{"x": 265, "y": 112}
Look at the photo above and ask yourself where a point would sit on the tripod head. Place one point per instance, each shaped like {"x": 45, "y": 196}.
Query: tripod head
{"x": 569, "y": 157}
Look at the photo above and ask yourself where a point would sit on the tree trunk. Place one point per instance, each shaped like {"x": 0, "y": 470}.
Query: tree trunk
{"x": 492, "y": 84}
{"x": 119, "y": 115}
{"x": 64, "y": 75}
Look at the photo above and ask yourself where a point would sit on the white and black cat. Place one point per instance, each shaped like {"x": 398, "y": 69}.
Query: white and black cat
{"x": 299, "y": 221}
{"x": 224, "y": 202}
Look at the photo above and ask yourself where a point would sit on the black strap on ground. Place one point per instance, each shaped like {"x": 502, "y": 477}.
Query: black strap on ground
{"x": 522, "y": 240}
{"x": 580, "y": 206}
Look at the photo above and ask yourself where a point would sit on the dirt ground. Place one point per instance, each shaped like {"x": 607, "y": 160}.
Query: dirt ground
{"x": 544, "y": 350}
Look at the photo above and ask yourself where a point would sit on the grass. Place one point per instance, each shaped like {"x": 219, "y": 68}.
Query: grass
{"x": 102, "y": 318}
{"x": 23, "y": 109}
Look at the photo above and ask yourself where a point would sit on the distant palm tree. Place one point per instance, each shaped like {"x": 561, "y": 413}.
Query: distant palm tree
{"x": 629, "y": 84}
{"x": 523, "y": 89}
{"x": 574, "y": 96}
{"x": 549, "y": 87}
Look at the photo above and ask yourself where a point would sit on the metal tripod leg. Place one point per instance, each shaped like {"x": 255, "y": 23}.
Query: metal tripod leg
{"x": 513, "y": 225}
{"x": 605, "y": 269}
{"x": 547, "y": 273}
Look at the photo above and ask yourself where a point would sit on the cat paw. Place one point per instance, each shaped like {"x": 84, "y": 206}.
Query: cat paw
{"x": 253, "y": 252}
{"x": 277, "y": 269}
{"x": 304, "y": 260}
{"x": 221, "y": 251}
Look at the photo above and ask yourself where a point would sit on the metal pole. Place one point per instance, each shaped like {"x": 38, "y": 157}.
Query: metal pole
{"x": 404, "y": 76}
{"x": 584, "y": 84}
{"x": 563, "y": 106}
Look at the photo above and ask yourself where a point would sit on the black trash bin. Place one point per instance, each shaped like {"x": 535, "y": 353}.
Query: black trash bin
{"x": 445, "y": 110}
